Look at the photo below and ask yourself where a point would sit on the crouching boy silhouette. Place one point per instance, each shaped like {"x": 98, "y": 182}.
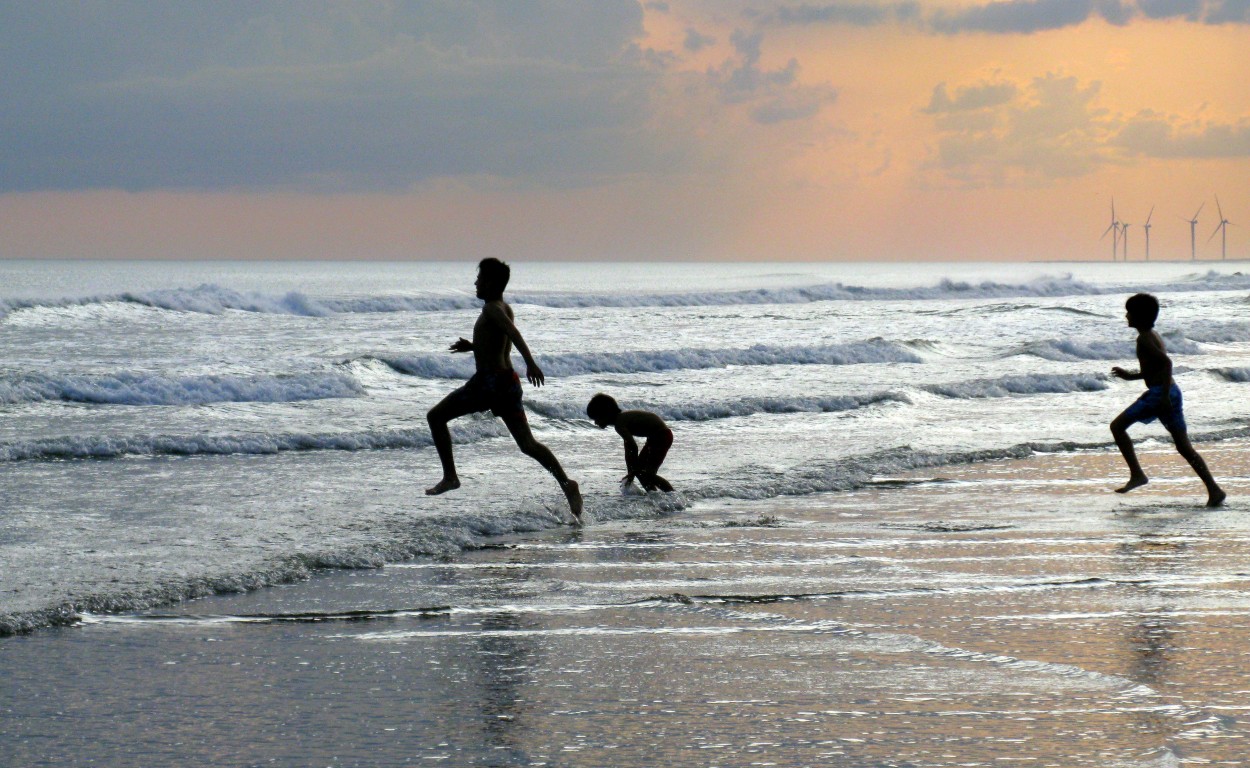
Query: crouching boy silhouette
{"x": 643, "y": 464}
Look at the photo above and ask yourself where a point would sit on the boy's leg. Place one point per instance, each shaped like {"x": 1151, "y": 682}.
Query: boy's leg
{"x": 1215, "y": 494}
{"x": 519, "y": 426}
{"x": 1119, "y": 430}
{"x": 448, "y": 409}
{"x": 656, "y": 483}
{"x": 650, "y": 458}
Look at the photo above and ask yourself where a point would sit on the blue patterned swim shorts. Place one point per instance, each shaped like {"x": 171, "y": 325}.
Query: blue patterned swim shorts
{"x": 1150, "y": 407}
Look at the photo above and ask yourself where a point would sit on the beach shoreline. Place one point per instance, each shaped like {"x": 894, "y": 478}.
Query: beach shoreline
{"x": 1018, "y": 598}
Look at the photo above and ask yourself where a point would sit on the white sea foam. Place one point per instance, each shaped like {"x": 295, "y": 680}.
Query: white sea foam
{"x": 103, "y": 447}
{"x": 574, "y": 364}
{"x": 152, "y": 389}
{"x": 441, "y": 534}
{"x": 1024, "y": 384}
{"x": 730, "y": 408}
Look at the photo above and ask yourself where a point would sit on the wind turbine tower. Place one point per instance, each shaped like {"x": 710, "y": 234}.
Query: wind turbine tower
{"x": 1124, "y": 238}
{"x": 1146, "y": 226}
{"x": 1193, "y": 227}
{"x": 1222, "y": 229}
{"x": 1114, "y": 229}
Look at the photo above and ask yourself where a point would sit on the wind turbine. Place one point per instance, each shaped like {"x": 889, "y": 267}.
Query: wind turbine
{"x": 1222, "y": 227}
{"x": 1124, "y": 238}
{"x": 1114, "y": 229}
{"x": 1146, "y": 226}
{"x": 1193, "y": 226}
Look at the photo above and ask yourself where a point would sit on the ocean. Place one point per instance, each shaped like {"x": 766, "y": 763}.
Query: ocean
{"x": 173, "y": 431}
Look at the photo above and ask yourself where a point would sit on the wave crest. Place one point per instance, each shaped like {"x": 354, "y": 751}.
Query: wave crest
{"x": 1070, "y": 350}
{"x": 729, "y": 409}
{"x": 148, "y": 389}
{"x": 215, "y": 299}
{"x": 578, "y": 363}
{"x": 1026, "y": 384}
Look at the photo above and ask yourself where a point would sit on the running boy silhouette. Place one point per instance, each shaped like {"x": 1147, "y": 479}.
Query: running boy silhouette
{"x": 1161, "y": 400}
{"x": 495, "y": 387}
{"x": 643, "y": 464}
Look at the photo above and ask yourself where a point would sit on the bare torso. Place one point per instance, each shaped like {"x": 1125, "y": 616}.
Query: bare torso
{"x": 640, "y": 424}
{"x": 492, "y": 350}
{"x": 1156, "y": 366}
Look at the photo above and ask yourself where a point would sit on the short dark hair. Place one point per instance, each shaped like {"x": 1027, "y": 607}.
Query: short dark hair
{"x": 1143, "y": 307}
{"x": 495, "y": 272}
{"x": 602, "y": 407}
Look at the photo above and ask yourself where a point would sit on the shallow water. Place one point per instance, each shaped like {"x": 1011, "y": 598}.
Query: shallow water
{"x": 172, "y": 430}
{"x": 975, "y": 615}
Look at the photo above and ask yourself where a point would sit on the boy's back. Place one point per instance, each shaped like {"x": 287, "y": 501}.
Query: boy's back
{"x": 640, "y": 424}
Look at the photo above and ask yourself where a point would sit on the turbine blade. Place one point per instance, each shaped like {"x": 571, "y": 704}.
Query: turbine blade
{"x": 1204, "y": 203}
{"x": 1213, "y": 234}
{"x": 1218, "y": 208}
{"x": 1152, "y": 213}
{"x": 1105, "y": 231}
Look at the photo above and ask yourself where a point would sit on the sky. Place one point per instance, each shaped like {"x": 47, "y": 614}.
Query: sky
{"x": 625, "y": 130}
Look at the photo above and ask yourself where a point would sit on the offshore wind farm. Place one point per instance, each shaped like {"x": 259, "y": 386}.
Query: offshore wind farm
{"x": 1118, "y": 229}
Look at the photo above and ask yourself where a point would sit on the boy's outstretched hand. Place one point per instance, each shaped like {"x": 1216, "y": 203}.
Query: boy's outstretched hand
{"x": 461, "y": 345}
{"x": 1120, "y": 373}
{"x": 534, "y": 374}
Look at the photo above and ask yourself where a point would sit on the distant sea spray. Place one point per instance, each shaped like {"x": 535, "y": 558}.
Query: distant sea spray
{"x": 214, "y": 299}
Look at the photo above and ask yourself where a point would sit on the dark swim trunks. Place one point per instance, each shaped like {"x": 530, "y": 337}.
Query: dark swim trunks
{"x": 496, "y": 391}
{"x": 1150, "y": 407}
{"x": 652, "y": 454}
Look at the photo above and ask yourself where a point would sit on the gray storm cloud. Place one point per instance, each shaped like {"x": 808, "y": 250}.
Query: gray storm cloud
{"x": 372, "y": 95}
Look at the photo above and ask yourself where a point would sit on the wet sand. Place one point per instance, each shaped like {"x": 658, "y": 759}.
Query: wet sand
{"x": 1013, "y": 612}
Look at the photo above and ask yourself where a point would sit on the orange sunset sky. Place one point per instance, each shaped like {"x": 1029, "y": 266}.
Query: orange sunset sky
{"x": 613, "y": 129}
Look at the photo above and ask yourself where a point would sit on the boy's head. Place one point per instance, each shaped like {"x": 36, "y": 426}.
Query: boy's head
{"x": 1143, "y": 310}
{"x": 602, "y": 410}
{"x": 492, "y": 278}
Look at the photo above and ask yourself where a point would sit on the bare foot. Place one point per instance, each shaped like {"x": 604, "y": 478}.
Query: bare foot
{"x": 1217, "y": 498}
{"x": 444, "y": 485}
{"x": 574, "y": 495}
{"x": 1133, "y": 482}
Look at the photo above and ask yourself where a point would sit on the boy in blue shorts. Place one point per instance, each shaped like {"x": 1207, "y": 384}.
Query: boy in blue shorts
{"x": 1161, "y": 400}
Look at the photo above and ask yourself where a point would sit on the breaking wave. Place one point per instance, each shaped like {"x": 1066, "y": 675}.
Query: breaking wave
{"x": 1235, "y": 375}
{"x": 99, "y": 447}
{"x": 149, "y": 389}
{"x": 1027, "y": 384}
{"x": 730, "y": 409}
{"x": 1069, "y": 350}
{"x": 1219, "y": 333}
{"x": 443, "y": 366}
{"x": 215, "y": 299}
